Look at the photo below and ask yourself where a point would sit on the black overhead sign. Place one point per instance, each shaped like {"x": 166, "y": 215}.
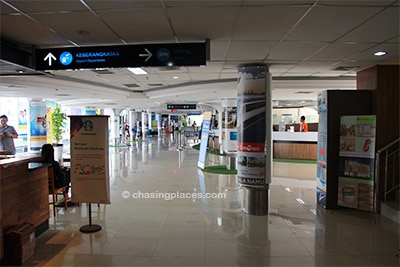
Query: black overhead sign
{"x": 181, "y": 106}
{"x": 150, "y": 55}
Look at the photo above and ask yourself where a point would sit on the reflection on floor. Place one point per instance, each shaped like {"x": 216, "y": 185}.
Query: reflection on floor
{"x": 166, "y": 224}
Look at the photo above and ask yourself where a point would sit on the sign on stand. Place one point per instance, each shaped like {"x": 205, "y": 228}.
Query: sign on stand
{"x": 205, "y": 130}
{"x": 357, "y": 162}
{"x": 89, "y": 162}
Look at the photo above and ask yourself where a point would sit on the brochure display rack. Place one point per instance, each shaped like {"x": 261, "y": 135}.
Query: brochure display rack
{"x": 332, "y": 104}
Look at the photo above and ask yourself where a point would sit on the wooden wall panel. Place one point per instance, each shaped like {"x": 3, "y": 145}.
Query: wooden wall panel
{"x": 24, "y": 196}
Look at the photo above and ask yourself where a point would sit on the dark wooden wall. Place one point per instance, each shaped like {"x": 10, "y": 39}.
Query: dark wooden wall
{"x": 383, "y": 82}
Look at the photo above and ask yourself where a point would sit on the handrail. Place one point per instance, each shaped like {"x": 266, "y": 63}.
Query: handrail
{"x": 388, "y": 146}
{"x": 388, "y": 188}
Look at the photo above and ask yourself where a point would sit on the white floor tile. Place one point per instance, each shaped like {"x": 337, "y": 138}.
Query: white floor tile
{"x": 194, "y": 231}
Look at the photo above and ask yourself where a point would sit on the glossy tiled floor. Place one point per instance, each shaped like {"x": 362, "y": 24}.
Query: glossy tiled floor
{"x": 209, "y": 232}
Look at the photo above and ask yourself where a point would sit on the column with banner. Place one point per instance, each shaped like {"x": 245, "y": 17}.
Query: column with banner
{"x": 356, "y": 162}
{"x": 89, "y": 159}
{"x": 251, "y": 123}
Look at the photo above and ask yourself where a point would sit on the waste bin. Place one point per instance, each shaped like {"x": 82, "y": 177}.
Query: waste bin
{"x": 231, "y": 160}
{"x": 21, "y": 243}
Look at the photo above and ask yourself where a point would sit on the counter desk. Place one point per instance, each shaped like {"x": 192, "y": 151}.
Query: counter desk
{"x": 295, "y": 145}
{"x": 23, "y": 193}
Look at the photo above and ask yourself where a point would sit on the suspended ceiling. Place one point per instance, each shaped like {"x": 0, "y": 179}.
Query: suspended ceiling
{"x": 309, "y": 46}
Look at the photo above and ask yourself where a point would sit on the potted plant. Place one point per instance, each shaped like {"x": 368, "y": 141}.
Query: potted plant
{"x": 58, "y": 119}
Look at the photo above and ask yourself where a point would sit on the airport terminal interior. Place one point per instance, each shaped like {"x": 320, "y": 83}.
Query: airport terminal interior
{"x": 164, "y": 230}
{"x": 240, "y": 66}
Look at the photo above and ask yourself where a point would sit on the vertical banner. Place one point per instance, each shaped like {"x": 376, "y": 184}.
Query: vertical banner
{"x": 322, "y": 148}
{"x": 229, "y": 130}
{"x": 356, "y": 162}
{"x": 205, "y": 130}
{"x": 49, "y": 126}
{"x": 89, "y": 159}
{"x": 251, "y": 126}
{"x": 37, "y": 124}
{"x": 22, "y": 117}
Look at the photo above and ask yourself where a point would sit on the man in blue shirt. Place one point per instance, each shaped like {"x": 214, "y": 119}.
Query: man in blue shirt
{"x": 7, "y": 135}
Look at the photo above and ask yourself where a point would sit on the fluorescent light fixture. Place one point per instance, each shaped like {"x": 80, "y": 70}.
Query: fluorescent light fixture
{"x": 137, "y": 71}
{"x": 380, "y": 53}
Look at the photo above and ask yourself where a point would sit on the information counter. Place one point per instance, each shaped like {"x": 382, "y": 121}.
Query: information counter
{"x": 295, "y": 145}
{"x": 24, "y": 193}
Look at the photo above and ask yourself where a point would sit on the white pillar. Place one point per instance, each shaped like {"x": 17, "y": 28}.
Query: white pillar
{"x": 144, "y": 118}
{"x": 114, "y": 134}
{"x": 159, "y": 129}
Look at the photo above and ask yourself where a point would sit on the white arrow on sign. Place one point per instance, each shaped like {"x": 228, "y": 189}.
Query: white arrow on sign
{"x": 50, "y": 57}
{"x": 148, "y": 55}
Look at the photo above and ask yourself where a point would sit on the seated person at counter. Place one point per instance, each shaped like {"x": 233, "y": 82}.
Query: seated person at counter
{"x": 61, "y": 176}
{"x": 7, "y": 135}
{"x": 303, "y": 124}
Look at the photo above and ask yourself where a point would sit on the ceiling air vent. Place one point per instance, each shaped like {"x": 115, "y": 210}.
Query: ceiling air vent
{"x": 303, "y": 92}
{"x": 103, "y": 71}
{"x": 347, "y": 68}
{"x": 155, "y": 84}
{"x": 132, "y": 85}
{"x": 166, "y": 68}
{"x": 62, "y": 95}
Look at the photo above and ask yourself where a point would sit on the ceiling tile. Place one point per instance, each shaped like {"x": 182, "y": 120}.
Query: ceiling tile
{"x": 266, "y": 22}
{"x": 368, "y": 55}
{"x": 139, "y": 26}
{"x": 190, "y": 22}
{"x": 248, "y": 51}
{"x": 339, "y": 21}
{"x": 339, "y": 51}
{"x": 45, "y": 6}
{"x": 295, "y": 50}
{"x": 380, "y": 28}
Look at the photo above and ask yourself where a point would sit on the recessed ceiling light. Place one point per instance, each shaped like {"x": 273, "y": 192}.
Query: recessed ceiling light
{"x": 380, "y": 53}
{"x": 137, "y": 71}
{"x": 175, "y": 77}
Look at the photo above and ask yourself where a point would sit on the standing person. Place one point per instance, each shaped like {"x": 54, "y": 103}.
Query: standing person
{"x": 7, "y": 135}
{"x": 303, "y": 124}
{"x": 127, "y": 132}
{"x": 134, "y": 131}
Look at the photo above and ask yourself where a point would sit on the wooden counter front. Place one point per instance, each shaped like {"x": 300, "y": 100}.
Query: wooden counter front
{"x": 24, "y": 194}
{"x": 295, "y": 145}
{"x": 295, "y": 150}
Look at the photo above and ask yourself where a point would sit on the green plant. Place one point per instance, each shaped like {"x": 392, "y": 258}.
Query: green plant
{"x": 57, "y": 124}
